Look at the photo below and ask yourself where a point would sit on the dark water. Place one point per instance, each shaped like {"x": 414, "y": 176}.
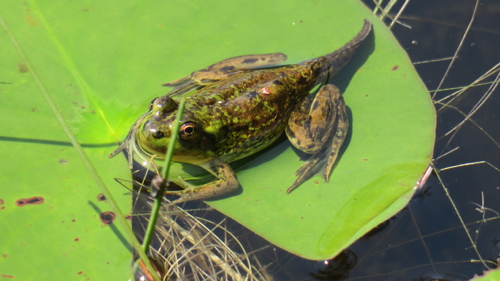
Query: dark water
{"x": 426, "y": 241}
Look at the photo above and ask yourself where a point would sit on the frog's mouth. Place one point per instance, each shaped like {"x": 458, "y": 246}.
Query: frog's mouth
{"x": 147, "y": 138}
{"x": 148, "y": 151}
{"x": 133, "y": 147}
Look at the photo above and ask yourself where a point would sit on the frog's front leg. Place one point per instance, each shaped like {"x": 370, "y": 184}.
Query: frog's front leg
{"x": 318, "y": 126}
{"x": 225, "y": 183}
{"x": 222, "y": 70}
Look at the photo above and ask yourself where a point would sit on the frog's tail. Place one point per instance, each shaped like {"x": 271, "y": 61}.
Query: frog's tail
{"x": 340, "y": 57}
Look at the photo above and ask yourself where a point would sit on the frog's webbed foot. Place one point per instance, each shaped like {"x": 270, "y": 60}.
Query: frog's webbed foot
{"x": 222, "y": 70}
{"x": 318, "y": 127}
{"x": 225, "y": 183}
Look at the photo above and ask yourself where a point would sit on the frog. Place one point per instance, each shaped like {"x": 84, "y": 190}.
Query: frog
{"x": 241, "y": 105}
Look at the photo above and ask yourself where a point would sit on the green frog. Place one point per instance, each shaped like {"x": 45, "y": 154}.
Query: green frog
{"x": 241, "y": 105}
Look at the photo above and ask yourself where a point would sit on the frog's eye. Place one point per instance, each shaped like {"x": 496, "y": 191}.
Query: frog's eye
{"x": 189, "y": 131}
{"x": 152, "y": 104}
{"x": 157, "y": 134}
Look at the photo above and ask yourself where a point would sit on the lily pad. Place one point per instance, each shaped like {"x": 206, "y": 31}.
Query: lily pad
{"x": 104, "y": 61}
{"x": 488, "y": 275}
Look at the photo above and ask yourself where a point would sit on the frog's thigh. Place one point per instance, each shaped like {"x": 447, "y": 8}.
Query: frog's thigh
{"x": 225, "y": 183}
{"x": 311, "y": 123}
{"x": 227, "y": 67}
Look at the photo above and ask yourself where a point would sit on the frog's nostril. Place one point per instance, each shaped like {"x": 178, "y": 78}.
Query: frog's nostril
{"x": 157, "y": 134}
{"x": 153, "y": 103}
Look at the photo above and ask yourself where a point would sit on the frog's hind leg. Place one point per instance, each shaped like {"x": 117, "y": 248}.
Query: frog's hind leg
{"x": 320, "y": 132}
{"x": 222, "y": 70}
{"x": 340, "y": 57}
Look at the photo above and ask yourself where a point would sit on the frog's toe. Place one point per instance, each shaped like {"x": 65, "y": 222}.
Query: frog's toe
{"x": 226, "y": 183}
{"x": 184, "y": 184}
{"x": 321, "y": 163}
{"x": 183, "y": 89}
{"x": 307, "y": 170}
{"x": 177, "y": 82}
{"x": 181, "y": 199}
{"x": 338, "y": 138}
{"x": 184, "y": 195}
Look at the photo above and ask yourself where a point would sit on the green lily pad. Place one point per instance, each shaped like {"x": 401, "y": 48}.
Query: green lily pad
{"x": 488, "y": 275}
{"x": 104, "y": 61}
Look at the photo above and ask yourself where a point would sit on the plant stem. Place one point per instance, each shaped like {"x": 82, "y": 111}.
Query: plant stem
{"x": 166, "y": 169}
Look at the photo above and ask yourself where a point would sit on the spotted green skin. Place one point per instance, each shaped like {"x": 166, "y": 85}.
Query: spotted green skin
{"x": 240, "y": 109}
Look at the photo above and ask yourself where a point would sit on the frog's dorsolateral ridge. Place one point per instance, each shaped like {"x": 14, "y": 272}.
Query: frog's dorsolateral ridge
{"x": 239, "y": 107}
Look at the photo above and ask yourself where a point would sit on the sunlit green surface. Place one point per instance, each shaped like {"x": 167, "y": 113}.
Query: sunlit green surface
{"x": 103, "y": 62}
{"x": 489, "y": 275}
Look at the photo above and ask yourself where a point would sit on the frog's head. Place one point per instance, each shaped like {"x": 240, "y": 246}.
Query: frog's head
{"x": 155, "y": 132}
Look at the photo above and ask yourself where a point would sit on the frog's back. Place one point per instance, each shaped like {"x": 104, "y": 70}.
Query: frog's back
{"x": 250, "y": 111}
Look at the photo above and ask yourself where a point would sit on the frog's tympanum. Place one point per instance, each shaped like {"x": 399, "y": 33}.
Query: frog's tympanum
{"x": 241, "y": 105}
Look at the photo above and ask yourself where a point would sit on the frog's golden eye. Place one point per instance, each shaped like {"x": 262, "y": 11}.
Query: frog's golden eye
{"x": 152, "y": 104}
{"x": 189, "y": 131}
